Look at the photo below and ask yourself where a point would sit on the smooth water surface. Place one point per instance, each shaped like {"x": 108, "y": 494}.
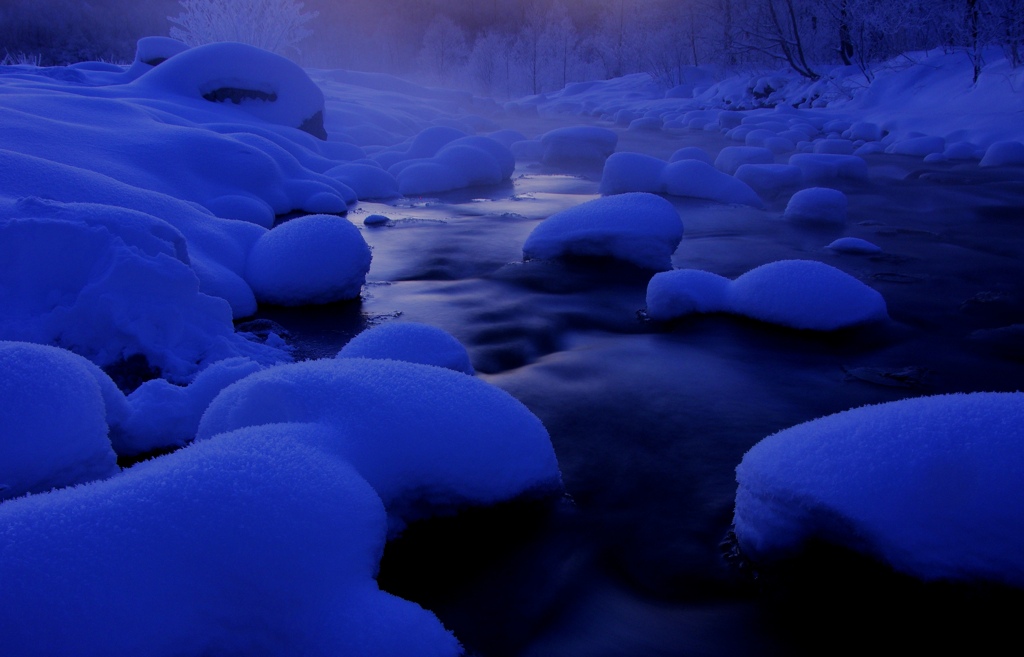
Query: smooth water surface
{"x": 649, "y": 420}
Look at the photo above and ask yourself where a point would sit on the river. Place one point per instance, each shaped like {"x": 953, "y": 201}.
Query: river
{"x": 649, "y": 420}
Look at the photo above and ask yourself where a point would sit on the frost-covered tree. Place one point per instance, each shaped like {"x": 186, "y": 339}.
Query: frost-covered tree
{"x": 1008, "y": 26}
{"x": 444, "y": 47}
{"x": 489, "y": 63}
{"x": 274, "y": 25}
{"x": 560, "y": 43}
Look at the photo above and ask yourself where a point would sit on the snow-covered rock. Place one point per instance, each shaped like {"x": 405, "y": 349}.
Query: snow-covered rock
{"x": 825, "y": 167}
{"x": 732, "y": 158}
{"x": 412, "y": 342}
{"x": 1003, "y": 153}
{"x": 309, "y": 260}
{"x": 427, "y": 438}
{"x": 817, "y": 204}
{"x": 252, "y": 543}
{"x": 769, "y": 179}
{"x": 691, "y": 177}
{"x": 637, "y": 227}
{"x": 463, "y": 162}
{"x": 579, "y": 145}
{"x": 921, "y": 484}
{"x": 854, "y": 245}
{"x": 801, "y": 294}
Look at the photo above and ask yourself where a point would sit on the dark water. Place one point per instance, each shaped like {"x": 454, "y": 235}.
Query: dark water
{"x": 649, "y": 420}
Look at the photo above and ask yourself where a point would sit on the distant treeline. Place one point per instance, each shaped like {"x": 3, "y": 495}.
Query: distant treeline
{"x": 516, "y": 47}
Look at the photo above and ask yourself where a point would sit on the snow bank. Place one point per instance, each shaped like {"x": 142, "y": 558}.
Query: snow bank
{"x": 801, "y": 294}
{"x": 42, "y": 448}
{"x": 186, "y": 157}
{"x": 309, "y": 260}
{"x": 636, "y": 172}
{"x": 817, "y": 205}
{"x": 922, "y": 484}
{"x": 410, "y": 342}
{"x": 926, "y": 95}
{"x": 109, "y": 283}
{"x": 253, "y": 531}
{"x": 425, "y": 437}
{"x": 640, "y": 228}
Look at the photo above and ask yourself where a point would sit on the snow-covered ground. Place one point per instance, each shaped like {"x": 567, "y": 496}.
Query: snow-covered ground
{"x": 144, "y": 210}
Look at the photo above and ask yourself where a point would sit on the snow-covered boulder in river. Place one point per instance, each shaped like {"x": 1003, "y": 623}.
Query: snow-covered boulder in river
{"x": 640, "y": 228}
{"x": 412, "y": 342}
{"x": 926, "y": 485}
{"x": 801, "y": 294}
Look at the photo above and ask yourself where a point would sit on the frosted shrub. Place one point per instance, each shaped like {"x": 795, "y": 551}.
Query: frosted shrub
{"x": 274, "y": 25}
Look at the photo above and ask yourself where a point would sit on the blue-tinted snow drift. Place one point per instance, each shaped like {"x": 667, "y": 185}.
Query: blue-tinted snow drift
{"x": 926, "y": 485}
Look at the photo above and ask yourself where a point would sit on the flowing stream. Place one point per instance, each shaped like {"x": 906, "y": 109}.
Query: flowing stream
{"x": 649, "y": 420}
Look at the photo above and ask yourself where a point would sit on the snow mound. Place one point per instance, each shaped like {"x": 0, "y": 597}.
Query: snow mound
{"x": 268, "y": 86}
{"x": 154, "y": 50}
{"x": 41, "y": 449}
{"x": 411, "y": 342}
{"x": 368, "y": 181}
{"x": 637, "y": 227}
{"x": 817, "y": 204}
{"x": 824, "y": 167}
{"x": 253, "y": 530}
{"x": 309, "y": 260}
{"x": 425, "y": 437}
{"x": 917, "y": 146}
{"x": 632, "y": 172}
{"x": 834, "y": 146}
{"x": 800, "y": 294}
{"x": 1003, "y": 153}
{"x": 463, "y": 162}
{"x": 683, "y": 292}
{"x": 697, "y": 179}
{"x": 854, "y": 245}
{"x": 769, "y": 179}
{"x": 636, "y": 172}
{"x": 922, "y": 484}
{"x": 732, "y": 158}
{"x": 577, "y": 145}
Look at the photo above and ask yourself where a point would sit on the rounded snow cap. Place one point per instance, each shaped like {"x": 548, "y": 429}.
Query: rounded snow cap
{"x": 411, "y": 342}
